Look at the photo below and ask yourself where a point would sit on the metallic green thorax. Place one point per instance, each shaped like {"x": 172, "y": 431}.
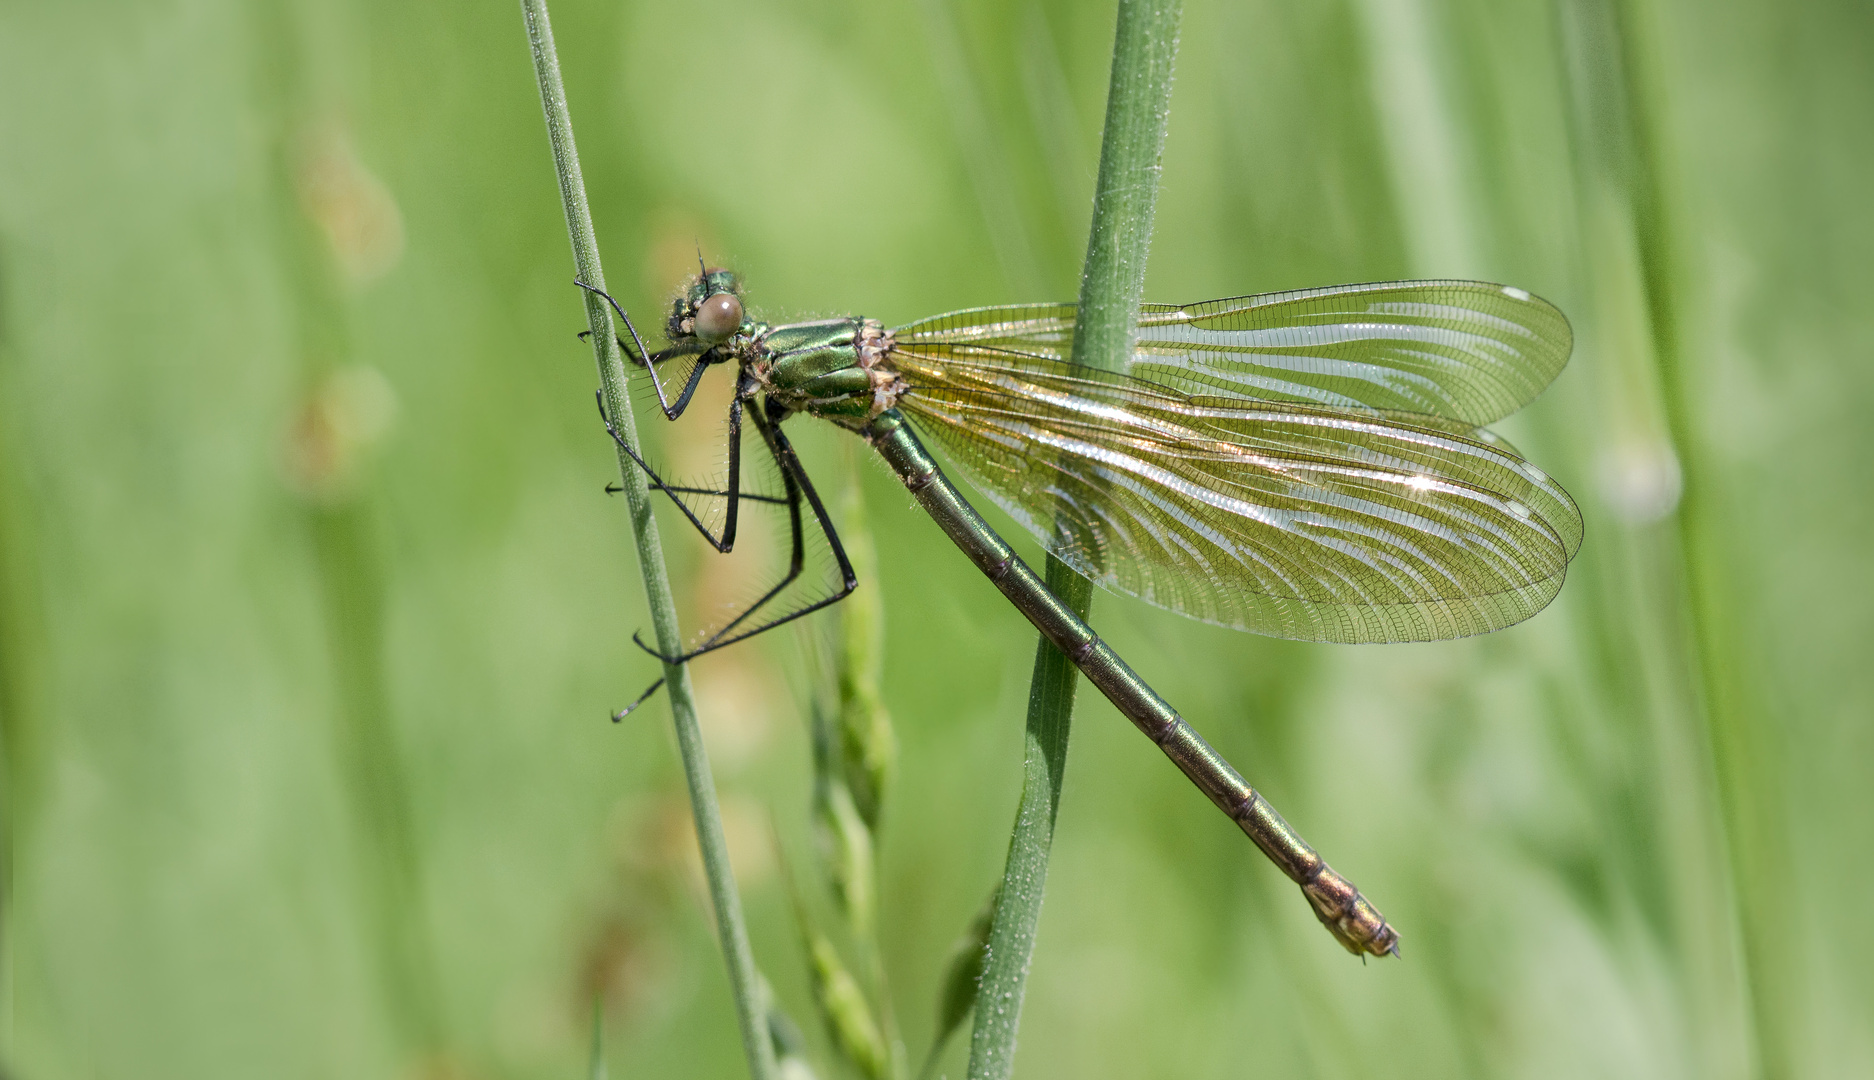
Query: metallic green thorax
{"x": 835, "y": 369}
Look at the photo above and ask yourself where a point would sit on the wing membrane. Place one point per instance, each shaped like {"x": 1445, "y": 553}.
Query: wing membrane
{"x": 1462, "y": 350}
{"x": 1298, "y": 520}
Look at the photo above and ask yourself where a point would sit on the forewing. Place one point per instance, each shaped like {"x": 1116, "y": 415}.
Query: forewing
{"x": 1300, "y": 521}
{"x": 1462, "y": 350}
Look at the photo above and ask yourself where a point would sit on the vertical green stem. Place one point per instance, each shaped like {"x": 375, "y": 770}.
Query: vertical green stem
{"x": 1744, "y": 742}
{"x": 351, "y": 573}
{"x": 595, "y": 1058}
{"x": 1137, "y": 105}
{"x": 22, "y": 666}
{"x": 743, "y": 979}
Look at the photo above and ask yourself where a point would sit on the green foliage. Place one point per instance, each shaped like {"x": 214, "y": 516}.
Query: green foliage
{"x": 790, "y": 1046}
{"x": 848, "y": 1014}
{"x": 962, "y": 978}
{"x": 595, "y": 1062}
{"x": 845, "y": 845}
{"x": 1576, "y": 822}
{"x": 853, "y": 749}
{"x": 868, "y": 749}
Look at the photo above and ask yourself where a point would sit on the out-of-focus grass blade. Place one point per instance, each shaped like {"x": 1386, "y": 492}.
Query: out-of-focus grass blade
{"x": 962, "y": 979}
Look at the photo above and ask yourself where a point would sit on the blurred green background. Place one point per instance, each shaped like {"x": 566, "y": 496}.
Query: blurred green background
{"x": 311, "y": 608}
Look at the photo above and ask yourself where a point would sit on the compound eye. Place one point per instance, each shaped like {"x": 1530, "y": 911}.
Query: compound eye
{"x": 718, "y": 318}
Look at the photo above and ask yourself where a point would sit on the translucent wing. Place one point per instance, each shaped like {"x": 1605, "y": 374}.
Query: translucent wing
{"x": 1297, "y": 520}
{"x": 1463, "y": 350}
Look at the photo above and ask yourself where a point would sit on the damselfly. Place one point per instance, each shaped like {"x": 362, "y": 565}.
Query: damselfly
{"x": 1307, "y": 464}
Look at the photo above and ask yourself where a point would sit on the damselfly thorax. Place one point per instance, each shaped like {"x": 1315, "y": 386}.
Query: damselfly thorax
{"x": 836, "y": 369}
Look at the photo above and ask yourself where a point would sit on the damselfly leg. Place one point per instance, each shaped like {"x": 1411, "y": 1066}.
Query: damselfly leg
{"x": 673, "y": 490}
{"x": 733, "y": 495}
{"x": 798, "y": 486}
{"x": 793, "y": 476}
{"x": 649, "y": 361}
{"x": 718, "y": 493}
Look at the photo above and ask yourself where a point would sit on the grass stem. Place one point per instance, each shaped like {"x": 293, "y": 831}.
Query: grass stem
{"x": 743, "y": 978}
{"x": 1111, "y": 286}
{"x": 1744, "y": 741}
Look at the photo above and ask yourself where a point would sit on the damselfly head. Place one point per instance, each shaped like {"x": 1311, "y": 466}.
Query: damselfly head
{"x": 709, "y": 308}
